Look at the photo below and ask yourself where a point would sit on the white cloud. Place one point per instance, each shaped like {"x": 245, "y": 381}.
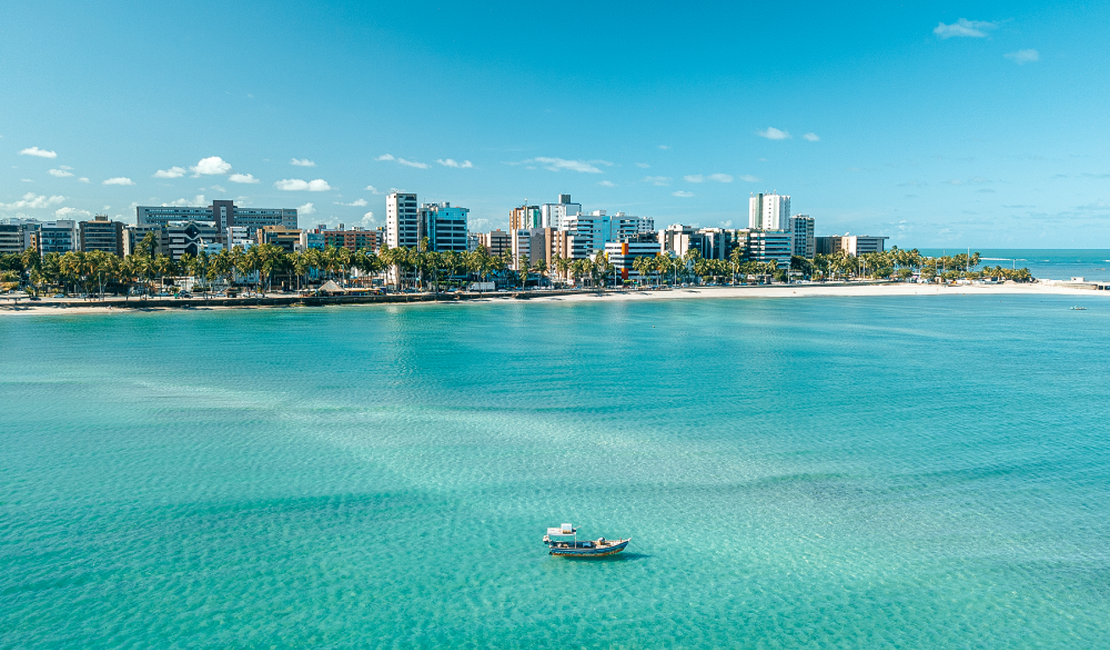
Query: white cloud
{"x": 607, "y": 184}
{"x": 211, "y": 166}
{"x": 748, "y": 178}
{"x": 664, "y": 147}
{"x": 83, "y": 179}
{"x": 60, "y": 173}
{"x": 41, "y": 153}
{"x": 172, "y": 172}
{"x": 694, "y": 178}
{"x": 306, "y": 209}
{"x": 720, "y": 178}
{"x": 368, "y": 220}
{"x": 71, "y": 213}
{"x": 218, "y": 188}
{"x": 372, "y": 189}
{"x": 198, "y": 200}
{"x": 466, "y": 164}
{"x": 296, "y": 184}
{"x": 302, "y": 162}
{"x": 643, "y": 165}
{"x": 243, "y": 178}
{"x": 964, "y": 27}
{"x": 661, "y": 181}
{"x": 118, "y": 180}
{"x": 773, "y": 134}
{"x": 1024, "y": 56}
{"x": 357, "y": 203}
{"x": 812, "y": 137}
{"x": 31, "y": 201}
{"x": 683, "y": 194}
{"x": 559, "y": 164}
{"x": 402, "y": 161}
{"x": 65, "y": 167}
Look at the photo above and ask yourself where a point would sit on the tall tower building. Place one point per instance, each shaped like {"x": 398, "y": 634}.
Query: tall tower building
{"x": 804, "y": 241}
{"x": 768, "y": 212}
{"x": 402, "y": 220}
{"x": 554, "y": 215}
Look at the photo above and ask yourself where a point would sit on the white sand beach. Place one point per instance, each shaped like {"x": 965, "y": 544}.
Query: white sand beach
{"x": 1045, "y": 288}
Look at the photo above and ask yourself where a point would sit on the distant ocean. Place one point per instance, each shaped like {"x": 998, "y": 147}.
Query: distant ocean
{"x": 1045, "y": 264}
{"x": 896, "y": 472}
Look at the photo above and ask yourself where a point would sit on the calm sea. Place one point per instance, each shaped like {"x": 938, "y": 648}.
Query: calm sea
{"x": 924, "y": 472}
{"x": 1052, "y": 264}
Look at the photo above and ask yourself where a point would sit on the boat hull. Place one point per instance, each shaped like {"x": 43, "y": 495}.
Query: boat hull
{"x": 585, "y": 553}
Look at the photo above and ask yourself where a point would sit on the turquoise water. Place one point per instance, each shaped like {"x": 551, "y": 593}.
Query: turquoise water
{"x": 873, "y": 472}
{"x": 1046, "y": 264}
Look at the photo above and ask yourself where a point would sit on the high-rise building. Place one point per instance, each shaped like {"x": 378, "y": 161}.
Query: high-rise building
{"x": 771, "y": 246}
{"x": 625, "y": 226}
{"x": 804, "y": 241}
{"x": 554, "y": 215}
{"x": 179, "y": 238}
{"x": 59, "y": 236}
{"x": 768, "y": 212}
{"x": 525, "y": 216}
{"x": 402, "y": 220}
{"x": 102, "y": 234}
{"x": 850, "y": 244}
{"x": 496, "y": 242}
{"x": 11, "y": 238}
{"x": 223, "y": 215}
{"x": 443, "y": 225}
{"x": 586, "y": 234}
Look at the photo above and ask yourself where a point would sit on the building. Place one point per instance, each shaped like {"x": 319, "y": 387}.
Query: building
{"x": 496, "y": 242}
{"x": 223, "y": 215}
{"x": 804, "y": 241}
{"x": 134, "y": 235}
{"x": 102, "y": 234}
{"x": 554, "y": 215}
{"x": 771, "y": 246}
{"x": 624, "y": 227}
{"x": 623, "y": 255}
{"x": 768, "y": 212}
{"x": 851, "y": 244}
{"x": 444, "y": 226}
{"x": 11, "y": 238}
{"x": 586, "y": 234}
{"x": 287, "y": 239}
{"x": 526, "y": 216}
{"x": 59, "y": 236}
{"x": 536, "y": 244}
{"x": 402, "y": 219}
{"x": 180, "y": 238}
{"x": 353, "y": 240}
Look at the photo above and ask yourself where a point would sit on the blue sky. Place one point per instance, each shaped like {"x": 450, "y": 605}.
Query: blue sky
{"x": 971, "y": 124}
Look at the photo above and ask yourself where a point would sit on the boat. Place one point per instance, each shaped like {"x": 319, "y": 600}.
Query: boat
{"x": 563, "y": 541}
{"x": 1078, "y": 308}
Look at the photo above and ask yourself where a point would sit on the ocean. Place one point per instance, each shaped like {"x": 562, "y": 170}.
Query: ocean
{"x": 1046, "y": 264}
{"x": 917, "y": 472}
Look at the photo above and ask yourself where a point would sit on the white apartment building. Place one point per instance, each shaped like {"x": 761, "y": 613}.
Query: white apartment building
{"x": 402, "y": 220}
{"x": 587, "y": 234}
{"x": 804, "y": 240}
{"x": 555, "y": 215}
{"x": 623, "y": 255}
{"x": 768, "y": 212}
{"x": 625, "y": 226}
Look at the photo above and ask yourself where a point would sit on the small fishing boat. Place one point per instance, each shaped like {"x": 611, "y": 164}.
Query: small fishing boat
{"x": 1078, "y": 308}
{"x": 563, "y": 541}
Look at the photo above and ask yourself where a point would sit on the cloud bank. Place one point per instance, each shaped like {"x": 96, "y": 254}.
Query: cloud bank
{"x": 40, "y": 153}
{"x": 298, "y": 185}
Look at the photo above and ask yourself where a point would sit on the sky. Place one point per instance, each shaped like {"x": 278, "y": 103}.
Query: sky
{"x": 936, "y": 124}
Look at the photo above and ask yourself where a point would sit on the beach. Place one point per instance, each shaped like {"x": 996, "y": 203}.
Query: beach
{"x": 119, "y": 305}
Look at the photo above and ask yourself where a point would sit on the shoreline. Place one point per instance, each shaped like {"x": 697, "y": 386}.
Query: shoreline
{"x": 115, "y": 306}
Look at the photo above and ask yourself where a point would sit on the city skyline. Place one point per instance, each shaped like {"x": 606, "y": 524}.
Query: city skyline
{"x": 977, "y": 125}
